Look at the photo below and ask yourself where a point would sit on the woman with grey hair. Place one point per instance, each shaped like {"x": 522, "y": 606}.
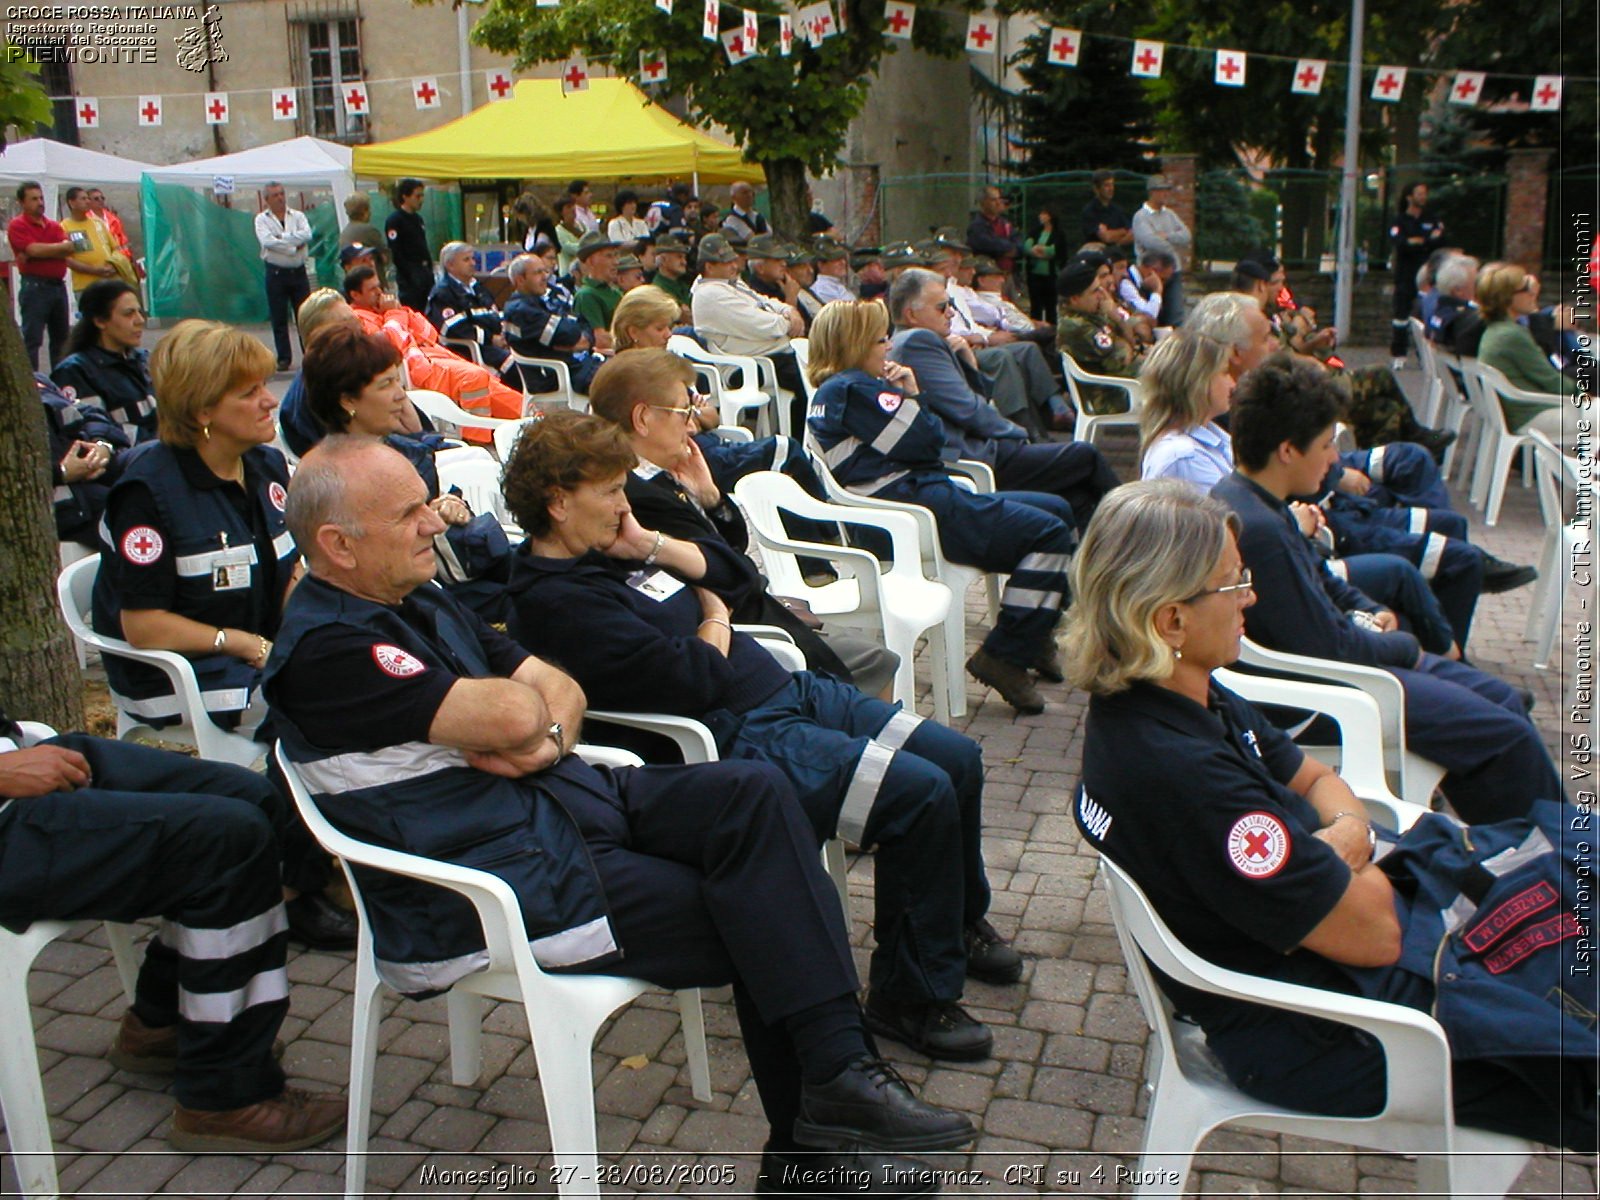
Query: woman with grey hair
{"x": 462, "y": 310}
{"x": 1261, "y": 860}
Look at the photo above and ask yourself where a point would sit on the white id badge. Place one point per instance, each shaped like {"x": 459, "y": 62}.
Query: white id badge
{"x": 656, "y": 584}
{"x": 231, "y": 575}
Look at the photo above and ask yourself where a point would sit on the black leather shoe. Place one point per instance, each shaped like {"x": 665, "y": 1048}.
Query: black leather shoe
{"x": 1502, "y": 576}
{"x": 989, "y": 957}
{"x": 867, "y": 1106}
{"x": 319, "y": 923}
{"x": 937, "y": 1028}
{"x": 1434, "y": 441}
{"x": 814, "y": 1173}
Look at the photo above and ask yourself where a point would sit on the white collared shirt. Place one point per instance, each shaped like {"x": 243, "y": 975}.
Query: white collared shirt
{"x": 283, "y": 243}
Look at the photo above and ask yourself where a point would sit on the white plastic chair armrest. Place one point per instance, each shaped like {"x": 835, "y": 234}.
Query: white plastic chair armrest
{"x": 694, "y": 740}
{"x": 978, "y": 472}
{"x": 34, "y": 732}
{"x": 893, "y": 517}
{"x": 1374, "y": 681}
{"x": 766, "y": 633}
{"x": 734, "y": 433}
{"x": 786, "y": 652}
{"x": 607, "y": 756}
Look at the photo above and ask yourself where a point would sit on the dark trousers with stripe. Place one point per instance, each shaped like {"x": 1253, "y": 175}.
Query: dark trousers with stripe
{"x": 1075, "y": 471}
{"x": 712, "y": 876}
{"x": 1452, "y": 566}
{"x": 882, "y": 777}
{"x": 162, "y": 834}
{"x": 997, "y": 533}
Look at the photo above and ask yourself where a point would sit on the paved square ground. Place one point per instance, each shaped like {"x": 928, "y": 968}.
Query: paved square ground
{"x": 1060, "y": 1106}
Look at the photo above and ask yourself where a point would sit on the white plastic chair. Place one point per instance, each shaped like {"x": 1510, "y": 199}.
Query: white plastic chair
{"x": 1412, "y": 777}
{"x": 1559, "y": 482}
{"x": 479, "y": 481}
{"x": 732, "y": 402}
{"x": 505, "y": 438}
{"x": 442, "y": 410}
{"x": 21, "y": 1091}
{"x": 564, "y": 1012}
{"x": 1428, "y": 411}
{"x": 1449, "y": 371}
{"x": 1083, "y": 428}
{"x": 74, "y": 592}
{"x": 565, "y": 393}
{"x": 1497, "y": 445}
{"x": 899, "y": 605}
{"x": 465, "y": 347}
{"x": 1191, "y": 1095}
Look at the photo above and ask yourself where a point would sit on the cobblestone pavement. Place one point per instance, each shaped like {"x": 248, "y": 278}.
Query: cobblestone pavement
{"x": 1060, "y": 1106}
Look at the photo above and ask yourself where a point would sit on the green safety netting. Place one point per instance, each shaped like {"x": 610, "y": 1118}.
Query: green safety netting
{"x": 203, "y": 260}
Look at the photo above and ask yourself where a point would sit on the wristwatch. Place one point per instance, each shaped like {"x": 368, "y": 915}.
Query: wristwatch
{"x": 559, "y": 736}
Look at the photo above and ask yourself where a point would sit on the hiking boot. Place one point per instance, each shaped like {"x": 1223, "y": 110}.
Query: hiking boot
{"x": 937, "y": 1028}
{"x": 989, "y": 956}
{"x": 868, "y": 1106}
{"x": 153, "y": 1050}
{"x": 1015, "y": 685}
{"x": 294, "y": 1120}
{"x": 1048, "y": 665}
{"x": 1502, "y": 576}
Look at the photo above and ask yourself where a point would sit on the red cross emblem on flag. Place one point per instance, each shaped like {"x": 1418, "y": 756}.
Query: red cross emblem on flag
{"x": 1388, "y": 85}
{"x": 1546, "y": 94}
{"x": 665, "y": 6}
{"x": 284, "y": 104}
{"x": 1467, "y": 87}
{"x": 785, "y": 36}
{"x": 752, "y": 30}
{"x": 1063, "y": 48}
{"x": 426, "y": 92}
{"x": 499, "y": 85}
{"x": 733, "y": 45}
{"x": 898, "y": 19}
{"x": 1308, "y": 74}
{"x": 980, "y": 32}
{"x": 355, "y": 99}
{"x": 713, "y": 17}
{"x": 149, "y": 110}
{"x": 575, "y": 76}
{"x": 1230, "y": 68}
{"x": 822, "y": 27}
{"x": 88, "y": 112}
{"x": 216, "y": 108}
{"x": 652, "y": 67}
{"x": 1147, "y": 59}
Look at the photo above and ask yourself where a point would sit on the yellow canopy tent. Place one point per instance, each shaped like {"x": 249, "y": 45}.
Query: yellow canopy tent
{"x": 610, "y": 131}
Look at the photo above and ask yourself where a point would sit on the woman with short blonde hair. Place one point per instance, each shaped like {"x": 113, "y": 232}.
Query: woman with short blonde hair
{"x": 194, "y": 367}
{"x": 644, "y": 318}
{"x": 843, "y": 335}
{"x": 1507, "y": 294}
{"x": 1151, "y": 544}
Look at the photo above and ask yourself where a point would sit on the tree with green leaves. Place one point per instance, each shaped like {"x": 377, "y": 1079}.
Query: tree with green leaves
{"x": 39, "y": 675}
{"x": 791, "y": 114}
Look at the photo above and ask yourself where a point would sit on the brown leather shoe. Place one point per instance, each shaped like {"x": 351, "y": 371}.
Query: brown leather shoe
{"x": 295, "y": 1120}
{"x": 151, "y": 1050}
{"x": 1015, "y": 685}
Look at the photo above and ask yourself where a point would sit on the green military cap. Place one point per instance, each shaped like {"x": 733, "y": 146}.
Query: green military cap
{"x": 983, "y": 265}
{"x": 1077, "y": 277}
{"x": 765, "y": 245}
{"x": 827, "y": 249}
{"x": 716, "y": 248}
{"x": 671, "y": 243}
{"x": 629, "y": 262}
{"x": 592, "y": 241}
{"x": 947, "y": 237}
{"x": 799, "y": 256}
{"x": 864, "y": 256}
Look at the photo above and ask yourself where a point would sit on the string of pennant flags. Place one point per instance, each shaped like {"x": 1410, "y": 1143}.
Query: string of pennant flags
{"x": 815, "y": 23}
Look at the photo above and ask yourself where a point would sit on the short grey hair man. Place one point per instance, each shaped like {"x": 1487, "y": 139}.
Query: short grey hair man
{"x": 1457, "y": 276}
{"x": 1223, "y": 317}
{"x": 318, "y": 496}
{"x": 907, "y": 290}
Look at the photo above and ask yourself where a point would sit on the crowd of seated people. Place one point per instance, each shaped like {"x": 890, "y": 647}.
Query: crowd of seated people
{"x": 429, "y": 679}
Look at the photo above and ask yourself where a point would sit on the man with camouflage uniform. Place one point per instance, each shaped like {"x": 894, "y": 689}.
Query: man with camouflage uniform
{"x": 1090, "y": 334}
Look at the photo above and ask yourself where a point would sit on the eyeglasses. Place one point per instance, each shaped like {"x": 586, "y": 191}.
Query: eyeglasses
{"x": 1529, "y": 285}
{"x": 1245, "y": 584}
{"x": 688, "y": 413}
{"x": 942, "y": 306}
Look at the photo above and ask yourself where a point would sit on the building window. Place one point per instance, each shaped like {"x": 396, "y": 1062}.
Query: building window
{"x": 332, "y": 52}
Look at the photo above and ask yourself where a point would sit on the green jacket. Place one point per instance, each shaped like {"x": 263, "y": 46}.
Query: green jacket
{"x": 596, "y": 303}
{"x": 1096, "y": 349}
{"x": 1509, "y": 347}
{"x": 678, "y": 289}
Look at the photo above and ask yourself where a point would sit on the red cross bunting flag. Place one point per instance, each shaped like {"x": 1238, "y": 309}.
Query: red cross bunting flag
{"x": 816, "y": 22}
{"x": 785, "y": 35}
{"x": 752, "y": 30}
{"x": 1546, "y": 93}
{"x": 548, "y": 4}
{"x": 1308, "y": 76}
{"x": 149, "y": 110}
{"x": 1230, "y": 68}
{"x": 983, "y": 30}
{"x": 1147, "y": 59}
{"x": 898, "y": 18}
{"x": 88, "y": 112}
{"x": 652, "y": 66}
{"x": 285, "y": 104}
{"x": 708, "y": 26}
{"x": 1063, "y": 48}
{"x": 665, "y": 6}
{"x": 425, "y": 92}
{"x": 1388, "y": 84}
{"x": 498, "y": 84}
{"x": 734, "y": 45}
{"x": 356, "y": 101}
{"x": 216, "y": 108}
{"x": 1467, "y": 88}
{"x": 575, "y": 75}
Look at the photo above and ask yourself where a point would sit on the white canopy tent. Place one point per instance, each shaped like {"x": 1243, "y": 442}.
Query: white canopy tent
{"x": 303, "y": 161}
{"x": 56, "y": 165}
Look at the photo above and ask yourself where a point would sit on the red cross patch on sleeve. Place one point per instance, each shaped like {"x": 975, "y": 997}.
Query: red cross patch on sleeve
{"x": 889, "y": 401}
{"x": 142, "y": 545}
{"x": 393, "y": 661}
{"x": 1258, "y": 845}
{"x": 1102, "y": 339}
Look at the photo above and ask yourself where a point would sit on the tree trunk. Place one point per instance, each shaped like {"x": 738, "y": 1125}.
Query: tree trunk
{"x": 39, "y": 676}
{"x": 786, "y": 188}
